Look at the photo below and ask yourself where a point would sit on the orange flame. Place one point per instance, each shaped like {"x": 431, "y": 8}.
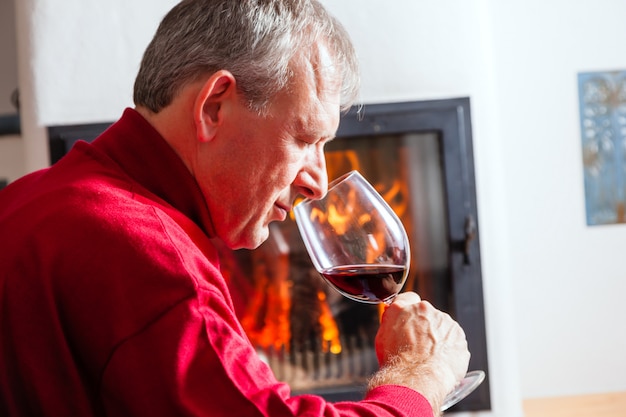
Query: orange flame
{"x": 266, "y": 321}
{"x": 330, "y": 331}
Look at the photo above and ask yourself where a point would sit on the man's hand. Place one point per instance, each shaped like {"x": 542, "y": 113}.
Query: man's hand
{"x": 420, "y": 347}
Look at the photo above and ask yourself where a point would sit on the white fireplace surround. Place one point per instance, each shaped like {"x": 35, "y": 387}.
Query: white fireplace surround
{"x": 553, "y": 286}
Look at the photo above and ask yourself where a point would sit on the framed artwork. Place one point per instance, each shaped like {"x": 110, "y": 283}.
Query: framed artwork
{"x": 602, "y": 98}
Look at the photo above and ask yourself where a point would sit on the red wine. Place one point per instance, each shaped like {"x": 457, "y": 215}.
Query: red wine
{"x": 367, "y": 283}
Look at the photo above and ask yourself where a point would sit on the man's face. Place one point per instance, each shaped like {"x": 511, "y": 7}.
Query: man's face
{"x": 267, "y": 161}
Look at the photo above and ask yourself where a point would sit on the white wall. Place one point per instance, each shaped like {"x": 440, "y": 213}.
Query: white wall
{"x": 91, "y": 49}
{"x": 568, "y": 279}
{"x": 553, "y": 286}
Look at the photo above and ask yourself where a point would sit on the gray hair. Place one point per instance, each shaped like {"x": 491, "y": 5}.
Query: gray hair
{"x": 253, "y": 39}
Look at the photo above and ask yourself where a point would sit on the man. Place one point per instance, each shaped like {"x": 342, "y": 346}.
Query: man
{"x": 111, "y": 299}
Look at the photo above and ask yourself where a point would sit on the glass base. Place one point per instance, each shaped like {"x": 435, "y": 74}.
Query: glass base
{"x": 469, "y": 383}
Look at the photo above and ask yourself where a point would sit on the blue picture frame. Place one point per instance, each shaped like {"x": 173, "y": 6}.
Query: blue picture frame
{"x": 602, "y": 99}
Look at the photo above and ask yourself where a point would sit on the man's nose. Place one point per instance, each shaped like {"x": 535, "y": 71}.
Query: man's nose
{"x": 313, "y": 179}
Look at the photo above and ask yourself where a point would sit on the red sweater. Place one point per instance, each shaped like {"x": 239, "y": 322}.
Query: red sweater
{"x": 112, "y": 302}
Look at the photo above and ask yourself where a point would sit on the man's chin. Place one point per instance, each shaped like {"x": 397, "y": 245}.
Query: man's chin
{"x": 261, "y": 236}
{"x": 250, "y": 241}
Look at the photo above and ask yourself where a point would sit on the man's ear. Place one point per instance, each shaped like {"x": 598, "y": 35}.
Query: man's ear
{"x": 207, "y": 110}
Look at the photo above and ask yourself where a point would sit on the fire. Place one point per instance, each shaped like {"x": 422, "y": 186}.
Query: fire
{"x": 267, "y": 324}
{"x": 330, "y": 331}
{"x": 266, "y": 320}
{"x": 267, "y": 317}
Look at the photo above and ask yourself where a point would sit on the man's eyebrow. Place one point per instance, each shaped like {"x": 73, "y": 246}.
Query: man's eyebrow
{"x": 319, "y": 136}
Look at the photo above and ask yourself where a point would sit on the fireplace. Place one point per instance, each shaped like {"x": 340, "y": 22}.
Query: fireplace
{"x": 419, "y": 156}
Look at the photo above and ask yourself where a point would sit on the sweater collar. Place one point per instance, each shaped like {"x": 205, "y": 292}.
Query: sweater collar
{"x": 147, "y": 158}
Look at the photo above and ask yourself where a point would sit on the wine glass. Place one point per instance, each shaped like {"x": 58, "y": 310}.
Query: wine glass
{"x": 360, "y": 247}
